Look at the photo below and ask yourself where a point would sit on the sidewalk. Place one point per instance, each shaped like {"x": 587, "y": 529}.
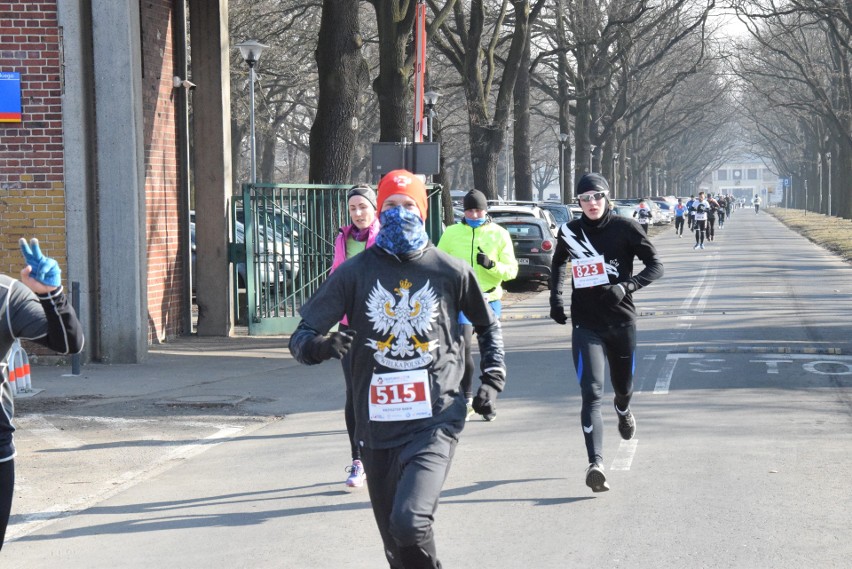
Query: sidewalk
{"x": 84, "y": 439}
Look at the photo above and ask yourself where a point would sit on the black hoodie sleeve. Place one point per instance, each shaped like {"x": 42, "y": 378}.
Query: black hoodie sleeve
{"x": 646, "y": 252}
{"x": 561, "y": 257}
{"x": 53, "y": 325}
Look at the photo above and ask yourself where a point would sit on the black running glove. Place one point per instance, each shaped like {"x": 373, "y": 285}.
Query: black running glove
{"x": 335, "y": 346}
{"x": 483, "y": 259}
{"x": 485, "y": 402}
{"x": 613, "y": 294}
{"x": 557, "y": 311}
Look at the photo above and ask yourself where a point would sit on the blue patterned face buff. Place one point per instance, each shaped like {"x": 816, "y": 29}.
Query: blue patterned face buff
{"x": 402, "y": 231}
{"x": 474, "y": 222}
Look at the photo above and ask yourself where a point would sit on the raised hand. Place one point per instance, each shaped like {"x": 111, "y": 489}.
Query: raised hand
{"x": 43, "y": 269}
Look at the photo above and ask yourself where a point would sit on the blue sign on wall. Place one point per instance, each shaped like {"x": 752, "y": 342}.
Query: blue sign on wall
{"x": 10, "y": 96}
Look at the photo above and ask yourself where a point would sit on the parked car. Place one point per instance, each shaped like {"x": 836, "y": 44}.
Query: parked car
{"x": 561, "y": 212}
{"x": 666, "y": 210}
{"x": 499, "y": 211}
{"x": 278, "y": 259}
{"x": 658, "y": 217}
{"x": 623, "y": 210}
{"x": 458, "y": 213}
{"x": 576, "y": 211}
{"x": 533, "y": 244}
{"x": 280, "y": 254}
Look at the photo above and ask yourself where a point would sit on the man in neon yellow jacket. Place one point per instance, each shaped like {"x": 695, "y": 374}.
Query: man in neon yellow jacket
{"x": 488, "y": 248}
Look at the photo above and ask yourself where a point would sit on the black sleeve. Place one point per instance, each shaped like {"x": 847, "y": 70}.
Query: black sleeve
{"x": 46, "y": 319}
{"x": 491, "y": 361}
{"x": 561, "y": 257}
{"x": 64, "y": 333}
{"x": 647, "y": 253}
{"x": 304, "y": 344}
{"x": 489, "y": 334}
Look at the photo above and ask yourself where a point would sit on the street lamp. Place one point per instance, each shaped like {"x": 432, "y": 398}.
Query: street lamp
{"x": 828, "y": 158}
{"x": 614, "y": 174}
{"x": 251, "y": 51}
{"x": 563, "y": 138}
{"x": 592, "y": 157}
{"x": 819, "y": 171}
{"x": 430, "y": 99}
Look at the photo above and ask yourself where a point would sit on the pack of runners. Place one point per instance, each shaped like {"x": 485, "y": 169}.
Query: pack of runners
{"x": 703, "y": 212}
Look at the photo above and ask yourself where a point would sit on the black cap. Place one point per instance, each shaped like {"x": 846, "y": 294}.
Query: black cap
{"x": 364, "y": 191}
{"x": 592, "y": 182}
{"x": 475, "y": 199}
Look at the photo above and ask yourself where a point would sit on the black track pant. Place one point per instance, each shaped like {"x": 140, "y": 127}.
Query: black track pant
{"x": 711, "y": 228}
{"x": 7, "y": 490}
{"x": 592, "y": 350}
{"x": 679, "y": 225}
{"x": 469, "y": 364}
{"x": 349, "y": 406}
{"x": 405, "y": 483}
{"x": 700, "y": 228}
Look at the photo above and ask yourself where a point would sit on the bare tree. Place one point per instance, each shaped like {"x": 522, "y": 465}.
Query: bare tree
{"x": 462, "y": 41}
{"x": 342, "y": 72}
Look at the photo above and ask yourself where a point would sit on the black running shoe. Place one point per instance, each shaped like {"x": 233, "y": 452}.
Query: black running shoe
{"x": 595, "y": 478}
{"x": 626, "y": 424}
{"x": 490, "y": 416}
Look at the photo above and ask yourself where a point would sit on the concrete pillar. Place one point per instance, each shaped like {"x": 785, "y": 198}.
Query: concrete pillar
{"x": 121, "y": 242}
{"x": 77, "y": 119}
{"x": 211, "y": 129}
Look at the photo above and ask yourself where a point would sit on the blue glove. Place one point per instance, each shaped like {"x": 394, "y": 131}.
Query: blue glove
{"x": 45, "y": 269}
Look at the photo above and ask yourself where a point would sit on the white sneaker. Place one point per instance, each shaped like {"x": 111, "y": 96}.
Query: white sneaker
{"x": 696, "y": 246}
{"x": 702, "y": 246}
{"x": 596, "y": 479}
{"x": 357, "y": 476}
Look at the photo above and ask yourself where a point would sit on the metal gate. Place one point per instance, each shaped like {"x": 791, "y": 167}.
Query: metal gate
{"x": 290, "y": 230}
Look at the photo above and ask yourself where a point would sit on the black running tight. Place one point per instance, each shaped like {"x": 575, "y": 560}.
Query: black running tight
{"x": 7, "y": 490}
{"x": 592, "y": 350}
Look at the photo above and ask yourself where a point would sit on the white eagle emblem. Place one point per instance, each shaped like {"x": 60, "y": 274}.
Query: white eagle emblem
{"x": 405, "y": 319}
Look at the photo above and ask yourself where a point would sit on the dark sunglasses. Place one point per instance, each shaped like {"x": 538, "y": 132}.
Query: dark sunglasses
{"x": 589, "y": 197}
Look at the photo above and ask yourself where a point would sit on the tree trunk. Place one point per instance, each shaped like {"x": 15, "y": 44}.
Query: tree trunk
{"x": 485, "y": 148}
{"x": 391, "y": 85}
{"x": 521, "y": 135}
{"x": 339, "y": 62}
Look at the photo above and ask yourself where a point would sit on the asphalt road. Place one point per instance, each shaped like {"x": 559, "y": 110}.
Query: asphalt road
{"x": 741, "y": 459}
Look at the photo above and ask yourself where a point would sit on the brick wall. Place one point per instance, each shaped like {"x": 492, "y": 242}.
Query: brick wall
{"x": 162, "y": 182}
{"x": 32, "y": 191}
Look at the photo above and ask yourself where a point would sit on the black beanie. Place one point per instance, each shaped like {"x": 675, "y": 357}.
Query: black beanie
{"x": 592, "y": 182}
{"x": 364, "y": 191}
{"x": 475, "y": 199}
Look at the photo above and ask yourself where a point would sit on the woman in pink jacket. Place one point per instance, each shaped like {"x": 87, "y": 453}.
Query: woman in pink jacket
{"x": 351, "y": 240}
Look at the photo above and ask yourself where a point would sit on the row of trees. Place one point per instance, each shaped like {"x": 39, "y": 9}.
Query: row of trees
{"x": 793, "y": 68}
{"x": 651, "y": 94}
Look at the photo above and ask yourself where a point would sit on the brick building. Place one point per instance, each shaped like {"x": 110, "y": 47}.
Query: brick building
{"x": 98, "y": 167}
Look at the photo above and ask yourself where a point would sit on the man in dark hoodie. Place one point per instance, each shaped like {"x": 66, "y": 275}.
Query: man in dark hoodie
{"x": 600, "y": 247}
{"x": 34, "y": 308}
{"x": 402, "y": 299}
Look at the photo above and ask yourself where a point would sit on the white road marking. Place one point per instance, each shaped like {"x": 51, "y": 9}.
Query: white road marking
{"x": 624, "y": 455}
{"x": 39, "y": 426}
{"x": 665, "y": 379}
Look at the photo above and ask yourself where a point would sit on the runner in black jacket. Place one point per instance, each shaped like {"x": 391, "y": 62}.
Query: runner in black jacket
{"x": 402, "y": 298}
{"x": 36, "y": 309}
{"x": 601, "y": 246}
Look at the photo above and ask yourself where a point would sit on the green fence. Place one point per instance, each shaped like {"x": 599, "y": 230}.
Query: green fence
{"x": 290, "y": 230}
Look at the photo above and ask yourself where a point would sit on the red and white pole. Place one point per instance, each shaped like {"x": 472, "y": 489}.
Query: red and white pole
{"x": 419, "y": 69}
